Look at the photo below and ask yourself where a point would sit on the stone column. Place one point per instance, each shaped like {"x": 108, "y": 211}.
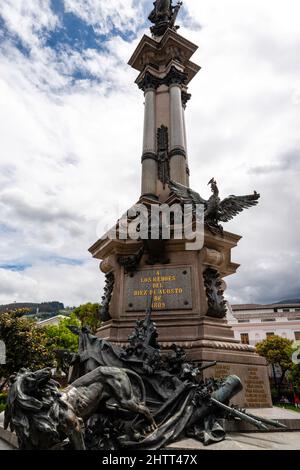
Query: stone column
{"x": 185, "y": 97}
{"x": 149, "y": 157}
{"x": 177, "y": 137}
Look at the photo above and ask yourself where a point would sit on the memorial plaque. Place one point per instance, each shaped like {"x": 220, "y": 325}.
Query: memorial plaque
{"x": 255, "y": 392}
{"x": 170, "y": 289}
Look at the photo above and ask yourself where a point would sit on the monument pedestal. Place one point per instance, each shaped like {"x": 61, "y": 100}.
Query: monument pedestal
{"x": 186, "y": 286}
{"x": 184, "y": 305}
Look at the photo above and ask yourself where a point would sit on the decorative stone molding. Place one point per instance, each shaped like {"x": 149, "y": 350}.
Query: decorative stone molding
{"x": 177, "y": 151}
{"x": 212, "y": 257}
{"x": 149, "y": 155}
{"x": 210, "y": 344}
{"x": 105, "y": 266}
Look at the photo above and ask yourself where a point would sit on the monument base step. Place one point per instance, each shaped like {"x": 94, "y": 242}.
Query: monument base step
{"x": 290, "y": 418}
{"x": 244, "y": 441}
{"x": 241, "y": 435}
{"x": 7, "y": 436}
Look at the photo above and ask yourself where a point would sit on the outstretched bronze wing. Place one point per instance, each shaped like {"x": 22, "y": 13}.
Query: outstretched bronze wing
{"x": 232, "y": 205}
{"x": 185, "y": 194}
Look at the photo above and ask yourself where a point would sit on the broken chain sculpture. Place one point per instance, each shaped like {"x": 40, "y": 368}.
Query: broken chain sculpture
{"x": 130, "y": 398}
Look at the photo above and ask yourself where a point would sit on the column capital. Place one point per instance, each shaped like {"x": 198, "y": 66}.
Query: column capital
{"x": 149, "y": 82}
{"x": 175, "y": 77}
{"x": 185, "y": 97}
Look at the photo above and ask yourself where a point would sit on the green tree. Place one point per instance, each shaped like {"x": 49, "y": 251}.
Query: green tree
{"x": 60, "y": 337}
{"x": 89, "y": 315}
{"x": 278, "y": 352}
{"x": 294, "y": 372}
{"x": 26, "y": 346}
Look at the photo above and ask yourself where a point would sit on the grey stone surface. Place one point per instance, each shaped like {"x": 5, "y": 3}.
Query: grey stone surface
{"x": 247, "y": 441}
{"x": 6, "y": 436}
{"x": 290, "y": 418}
{"x": 171, "y": 289}
{"x": 5, "y": 446}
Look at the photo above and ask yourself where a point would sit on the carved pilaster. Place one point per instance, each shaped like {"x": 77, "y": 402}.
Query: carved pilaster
{"x": 162, "y": 151}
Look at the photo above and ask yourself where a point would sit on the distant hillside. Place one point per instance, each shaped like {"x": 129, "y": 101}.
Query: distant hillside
{"x": 44, "y": 307}
{"x": 289, "y": 301}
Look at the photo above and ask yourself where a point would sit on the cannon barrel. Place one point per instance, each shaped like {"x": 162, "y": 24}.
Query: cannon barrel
{"x": 269, "y": 422}
{"x": 239, "y": 414}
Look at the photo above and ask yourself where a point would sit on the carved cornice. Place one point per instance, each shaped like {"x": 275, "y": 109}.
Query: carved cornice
{"x": 149, "y": 156}
{"x": 177, "y": 151}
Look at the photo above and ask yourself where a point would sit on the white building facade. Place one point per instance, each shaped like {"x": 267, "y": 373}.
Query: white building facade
{"x": 253, "y": 323}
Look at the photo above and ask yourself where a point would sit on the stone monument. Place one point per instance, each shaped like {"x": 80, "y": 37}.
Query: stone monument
{"x": 185, "y": 285}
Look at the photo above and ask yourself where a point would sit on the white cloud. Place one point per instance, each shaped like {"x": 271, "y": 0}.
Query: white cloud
{"x": 50, "y": 281}
{"x": 105, "y": 15}
{"x": 70, "y": 151}
{"x": 29, "y": 20}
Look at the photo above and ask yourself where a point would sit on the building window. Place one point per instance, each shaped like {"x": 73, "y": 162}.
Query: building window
{"x": 244, "y": 338}
{"x": 243, "y": 321}
{"x": 293, "y": 318}
{"x": 270, "y": 319}
{"x": 297, "y": 309}
{"x": 297, "y": 335}
{"x": 269, "y": 334}
{"x": 285, "y": 309}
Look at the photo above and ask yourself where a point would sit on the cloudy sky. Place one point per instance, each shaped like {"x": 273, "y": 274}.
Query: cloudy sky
{"x": 71, "y": 124}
